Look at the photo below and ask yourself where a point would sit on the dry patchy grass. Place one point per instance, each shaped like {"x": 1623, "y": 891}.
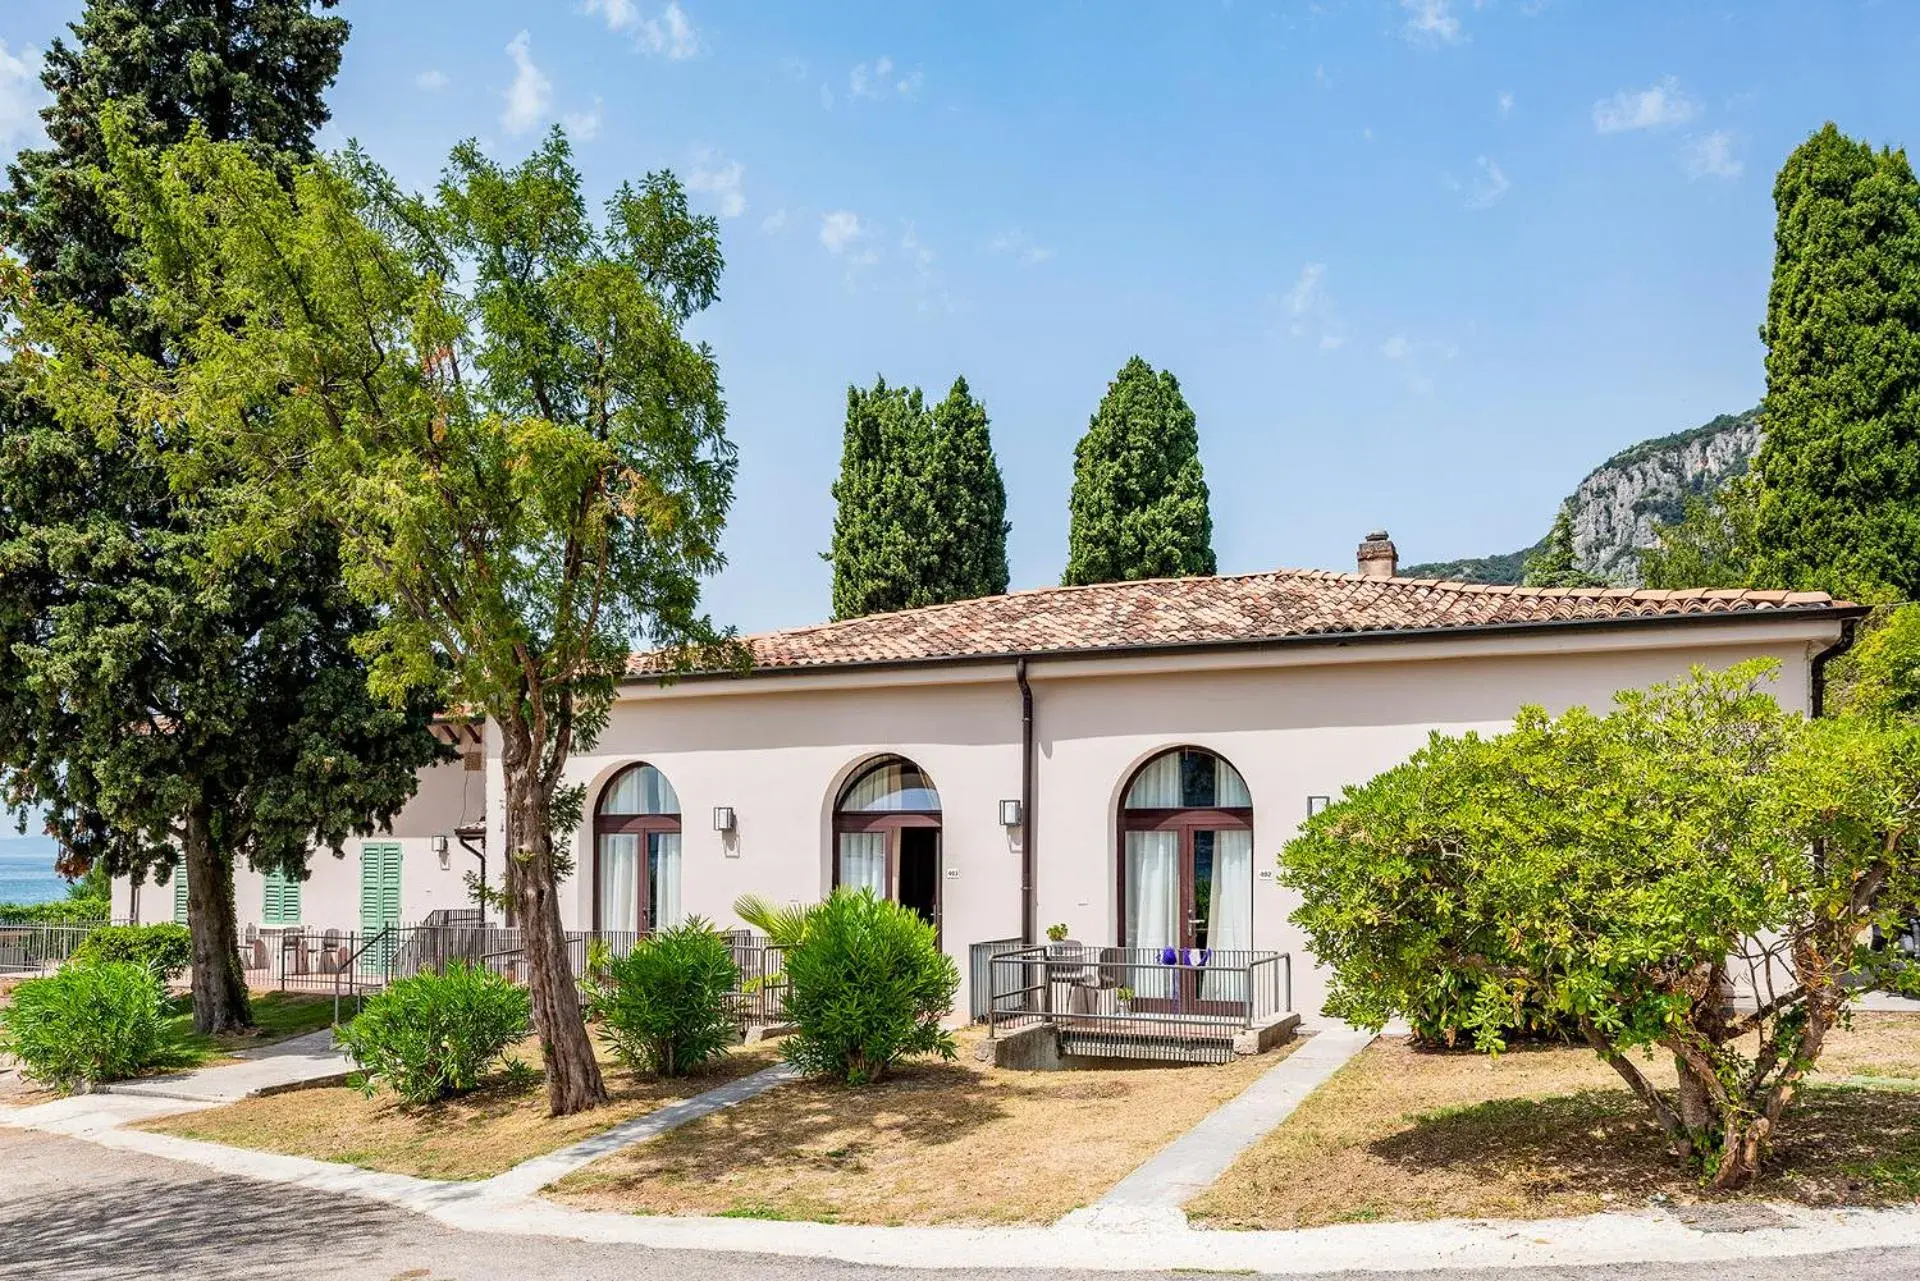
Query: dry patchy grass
{"x": 935, "y": 1143}
{"x": 1406, "y": 1134}
{"x": 473, "y": 1137}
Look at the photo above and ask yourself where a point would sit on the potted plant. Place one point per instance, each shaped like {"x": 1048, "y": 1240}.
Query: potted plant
{"x": 1063, "y": 969}
{"x": 1123, "y": 998}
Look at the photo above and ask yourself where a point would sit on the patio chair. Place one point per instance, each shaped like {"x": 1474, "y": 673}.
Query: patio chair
{"x": 332, "y": 956}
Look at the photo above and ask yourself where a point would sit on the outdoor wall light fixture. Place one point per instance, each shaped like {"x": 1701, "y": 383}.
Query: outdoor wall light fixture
{"x": 1009, "y": 813}
{"x": 441, "y": 851}
{"x": 723, "y": 818}
{"x": 1317, "y": 803}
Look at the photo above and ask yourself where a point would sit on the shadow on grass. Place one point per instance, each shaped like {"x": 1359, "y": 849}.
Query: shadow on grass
{"x": 1835, "y": 1145}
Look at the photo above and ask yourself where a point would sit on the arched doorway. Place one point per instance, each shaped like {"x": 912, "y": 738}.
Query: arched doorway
{"x": 886, "y": 835}
{"x": 1186, "y": 857}
{"x": 636, "y": 852}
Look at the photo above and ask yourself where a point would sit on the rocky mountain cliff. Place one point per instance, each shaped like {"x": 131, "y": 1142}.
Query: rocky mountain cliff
{"x": 1618, "y": 504}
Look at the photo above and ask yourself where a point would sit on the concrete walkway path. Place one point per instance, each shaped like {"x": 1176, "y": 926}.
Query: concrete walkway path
{"x": 1152, "y": 1196}
{"x": 296, "y": 1063}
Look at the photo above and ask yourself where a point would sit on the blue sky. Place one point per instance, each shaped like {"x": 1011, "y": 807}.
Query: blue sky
{"x": 1417, "y": 263}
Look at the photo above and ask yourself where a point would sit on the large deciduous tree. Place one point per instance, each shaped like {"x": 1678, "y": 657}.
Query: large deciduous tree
{"x": 163, "y": 707}
{"x": 921, "y": 510}
{"x": 1840, "y": 467}
{"x": 487, "y": 393}
{"x": 1139, "y": 502}
{"x": 1630, "y": 874}
{"x": 1711, "y": 545}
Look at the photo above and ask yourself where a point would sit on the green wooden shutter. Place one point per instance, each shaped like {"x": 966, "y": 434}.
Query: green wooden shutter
{"x": 180, "y": 891}
{"x": 282, "y": 905}
{"x": 379, "y": 896}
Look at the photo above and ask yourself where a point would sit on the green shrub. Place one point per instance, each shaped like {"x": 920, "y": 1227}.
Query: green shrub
{"x": 166, "y": 948}
{"x": 868, "y": 987}
{"x": 91, "y": 1022}
{"x": 663, "y": 1007}
{"x": 435, "y": 1035}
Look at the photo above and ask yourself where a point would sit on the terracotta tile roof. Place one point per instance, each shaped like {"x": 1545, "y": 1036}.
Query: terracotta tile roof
{"x": 1225, "y": 610}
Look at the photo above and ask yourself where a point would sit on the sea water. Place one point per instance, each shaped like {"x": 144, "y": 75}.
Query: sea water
{"x": 26, "y": 871}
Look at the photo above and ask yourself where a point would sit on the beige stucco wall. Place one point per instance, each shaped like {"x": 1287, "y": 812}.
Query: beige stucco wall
{"x": 1295, "y": 721}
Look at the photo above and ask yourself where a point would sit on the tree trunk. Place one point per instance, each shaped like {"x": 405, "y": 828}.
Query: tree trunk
{"x": 573, "y": 1077}
{"x": 219, "y": 984}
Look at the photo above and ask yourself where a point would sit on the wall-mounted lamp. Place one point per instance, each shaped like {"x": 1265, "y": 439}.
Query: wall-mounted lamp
{"x": 441, "y": 851}
{"x": 1317, "y": 803}
{"x": 1009, "y": 813}
{"x": 723, "y": 818}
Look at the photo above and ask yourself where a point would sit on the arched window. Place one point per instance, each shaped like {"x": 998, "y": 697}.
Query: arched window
{"x": 1186, "y": 855}
{"x": 636, "y": 852}
{"x": 886, "y": 833}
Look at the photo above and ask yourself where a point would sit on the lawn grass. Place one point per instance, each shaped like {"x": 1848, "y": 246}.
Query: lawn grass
{"x": 1544, "y": 1131}
{"x": 958, "y": 1142}
{"x": 474, "y": 1137}
{"x": 277, "y": 1016}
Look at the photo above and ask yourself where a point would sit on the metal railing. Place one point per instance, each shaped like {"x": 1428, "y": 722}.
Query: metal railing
{"x": 980, "y": 976}
{"x": 29, "y": 947}
{"x": 1175, "y": 1004}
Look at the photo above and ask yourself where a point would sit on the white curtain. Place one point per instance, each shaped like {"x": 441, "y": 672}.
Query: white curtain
{"x": 640, "y": 791}
{"x": 620, "y": 881}
{"x": 1230, "y": 915}
{"x": 892, "y": 788}
{"x": 1157, "y": 786}
{"x": 1153, "y": 904}
{"x": 1229, "y": 789}
{"x": 863, "y": 861}
{"x": 666, "y": 879}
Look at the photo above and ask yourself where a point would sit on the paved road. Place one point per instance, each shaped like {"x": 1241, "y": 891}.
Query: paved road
{"x": 77, "y": 1212}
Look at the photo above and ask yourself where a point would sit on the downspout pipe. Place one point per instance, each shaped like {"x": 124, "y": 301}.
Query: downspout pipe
{"x": 1818, "y": 696}
{"x": 480, "y": 852}
{"x": 1028, "y": 795}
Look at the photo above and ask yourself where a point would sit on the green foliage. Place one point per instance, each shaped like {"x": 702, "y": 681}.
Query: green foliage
{"x": 1879, "y": 679}
{"x": 921, "y": 507}
{"x": 1619, "y": 872}
{"x": 784, "y": 926}
{"x": 89, "y": 1023}
{"x": 435, "y": 1035}
{"x": 1840, "y": 467}
{"x": 151, "y": 698}
{"x": 868, "y": 985}
{"x": 88, "y": 899}
{"x": 165, "y": 948}
{"x": 1556, "y": 564}
{"x": 1139, "y": 503}
{"x": 664, "y": 1008}
{"x": 1713, "y": 544}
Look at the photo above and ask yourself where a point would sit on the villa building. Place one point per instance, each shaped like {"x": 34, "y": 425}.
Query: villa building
{"x": 1125, "y": 759}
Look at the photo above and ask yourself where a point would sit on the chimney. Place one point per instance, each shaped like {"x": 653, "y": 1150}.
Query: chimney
{"x": 1378, "y": 556}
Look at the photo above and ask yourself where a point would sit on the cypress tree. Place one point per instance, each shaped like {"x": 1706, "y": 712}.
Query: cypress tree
{"x": 1555, "y": 564}
{"x": 880, "y": 552}
{"x": 161, "y": 702}
{"x": 1139, "y": 504}
{"x": 1840, "y": 467}
{"x": 968, "y": 541}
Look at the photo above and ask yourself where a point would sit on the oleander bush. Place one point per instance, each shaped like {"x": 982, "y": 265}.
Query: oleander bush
{"x": 165, "y": 948}
{"x": 437, "y": 1034}
{"x": 93, "y": 1021}
{"x": 663, "y": 1007}
{"x": 868, "y": 986}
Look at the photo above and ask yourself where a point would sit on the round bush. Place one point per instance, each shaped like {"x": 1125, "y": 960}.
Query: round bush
{"x": 165, "y": 948}
{"x": 664, "y": 1006}
{"x": 435, "y": 1035}
{"x": 94, "y": 1021}
{"x": 868, "y": 985}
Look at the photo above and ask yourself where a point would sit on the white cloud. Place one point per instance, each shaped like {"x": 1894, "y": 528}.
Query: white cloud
{"x": 840, "y": 229}
{"x": 722, "y": 179}
{"x": 1489, "y": 184}
{"x": 530, "y": 96}
{"x": 432, "y": 80}
{"x": 1651, "y": 108}
{"x": 1019, "y": 245}
{"x": 21, "y": 95}
{"x": 1710, "y": 155}
{"x": 1414, "y": 357}
{"x": 1309, "y": 309}
{"x": 774, "y": 221}
{"x": 1506, "y": 102}
{"x": 584, "y": 126}
{"x": 880, "y": 79}
{"x": 1397, "y": 347}
{"x": 671, "y": 34}
{"x": 1431, "y": 22}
